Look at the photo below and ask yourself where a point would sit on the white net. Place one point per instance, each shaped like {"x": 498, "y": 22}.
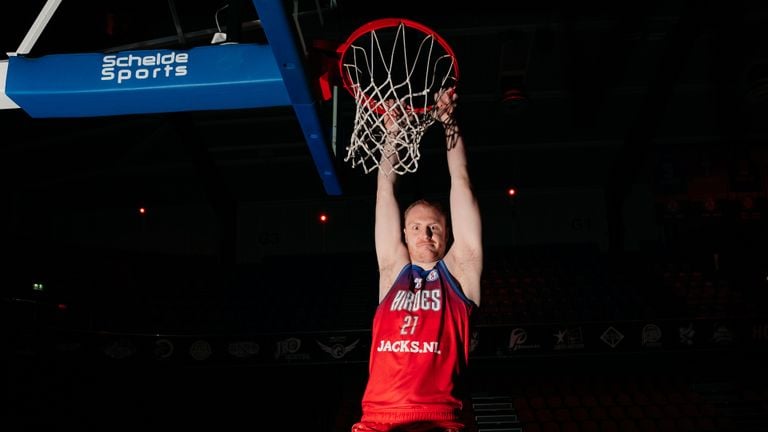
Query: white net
{"x": 393, "y": 75}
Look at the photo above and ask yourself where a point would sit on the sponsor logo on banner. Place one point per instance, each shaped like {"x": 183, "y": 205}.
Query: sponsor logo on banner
{"x": 243, "y": 349}
{"x": 288, "y": 349}
{"x": 722, "y": 335}
{"x": 686, "y": 334}
{"x": 568, "y": 338}
{"x": 651, "y": 336}
{"x": 337, "y": 348}
{"x": 760, "y": 332}
{"x": 200, "y": 350}
{"x": 611, "y": 337}
{"x": 163, "y": 349}
{"x": 517, "y": 340}
{"x": 120, "y": 349}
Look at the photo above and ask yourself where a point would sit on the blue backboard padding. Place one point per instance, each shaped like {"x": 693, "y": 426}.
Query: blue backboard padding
{"x": 213, "y": 77}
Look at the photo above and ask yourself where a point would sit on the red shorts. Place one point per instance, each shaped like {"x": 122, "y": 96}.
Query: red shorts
{"x": 420, "y": 426}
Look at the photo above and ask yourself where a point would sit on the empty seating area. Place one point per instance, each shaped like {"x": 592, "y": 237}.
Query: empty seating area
{"x": 621, "y": 404}
{"x": 599, "y": 394}
{"x": 591, "y": 285}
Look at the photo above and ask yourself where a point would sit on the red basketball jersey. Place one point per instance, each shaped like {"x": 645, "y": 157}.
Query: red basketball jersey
{"x": 420, "y": 349}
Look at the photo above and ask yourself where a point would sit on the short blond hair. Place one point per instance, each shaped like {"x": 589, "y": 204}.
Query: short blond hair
{"x": 427, "y": 203}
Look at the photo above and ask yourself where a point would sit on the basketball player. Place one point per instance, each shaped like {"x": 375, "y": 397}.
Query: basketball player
{"x": 429, "y": 289}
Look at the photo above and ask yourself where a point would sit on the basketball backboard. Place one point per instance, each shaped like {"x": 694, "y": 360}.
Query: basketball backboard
{"x": 183, "y": 73}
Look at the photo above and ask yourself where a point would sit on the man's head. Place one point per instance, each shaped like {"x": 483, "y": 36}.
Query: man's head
{"x": 426, "y": 231}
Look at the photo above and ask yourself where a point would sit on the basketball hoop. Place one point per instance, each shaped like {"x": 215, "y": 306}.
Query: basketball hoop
{"x": 393, "y": 68}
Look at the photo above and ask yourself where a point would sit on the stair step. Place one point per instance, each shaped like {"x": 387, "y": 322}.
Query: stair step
{"x": 498, "y": 418}
{"x": 501, "y": 429}
{"x": 494, "y": 406}
{"x": 491, "y": 397}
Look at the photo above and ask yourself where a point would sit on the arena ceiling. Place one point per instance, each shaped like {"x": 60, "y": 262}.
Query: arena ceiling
{"x": 606, "y": 86}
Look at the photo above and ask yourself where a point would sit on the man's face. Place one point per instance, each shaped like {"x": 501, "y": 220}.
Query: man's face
{"x": 425, "y": 233}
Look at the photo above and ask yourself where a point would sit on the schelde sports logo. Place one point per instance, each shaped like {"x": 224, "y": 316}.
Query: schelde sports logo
{"x": 133, "y": 67}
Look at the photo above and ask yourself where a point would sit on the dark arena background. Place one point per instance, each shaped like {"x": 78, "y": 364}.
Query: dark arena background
{"x": 165, "y": 264}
